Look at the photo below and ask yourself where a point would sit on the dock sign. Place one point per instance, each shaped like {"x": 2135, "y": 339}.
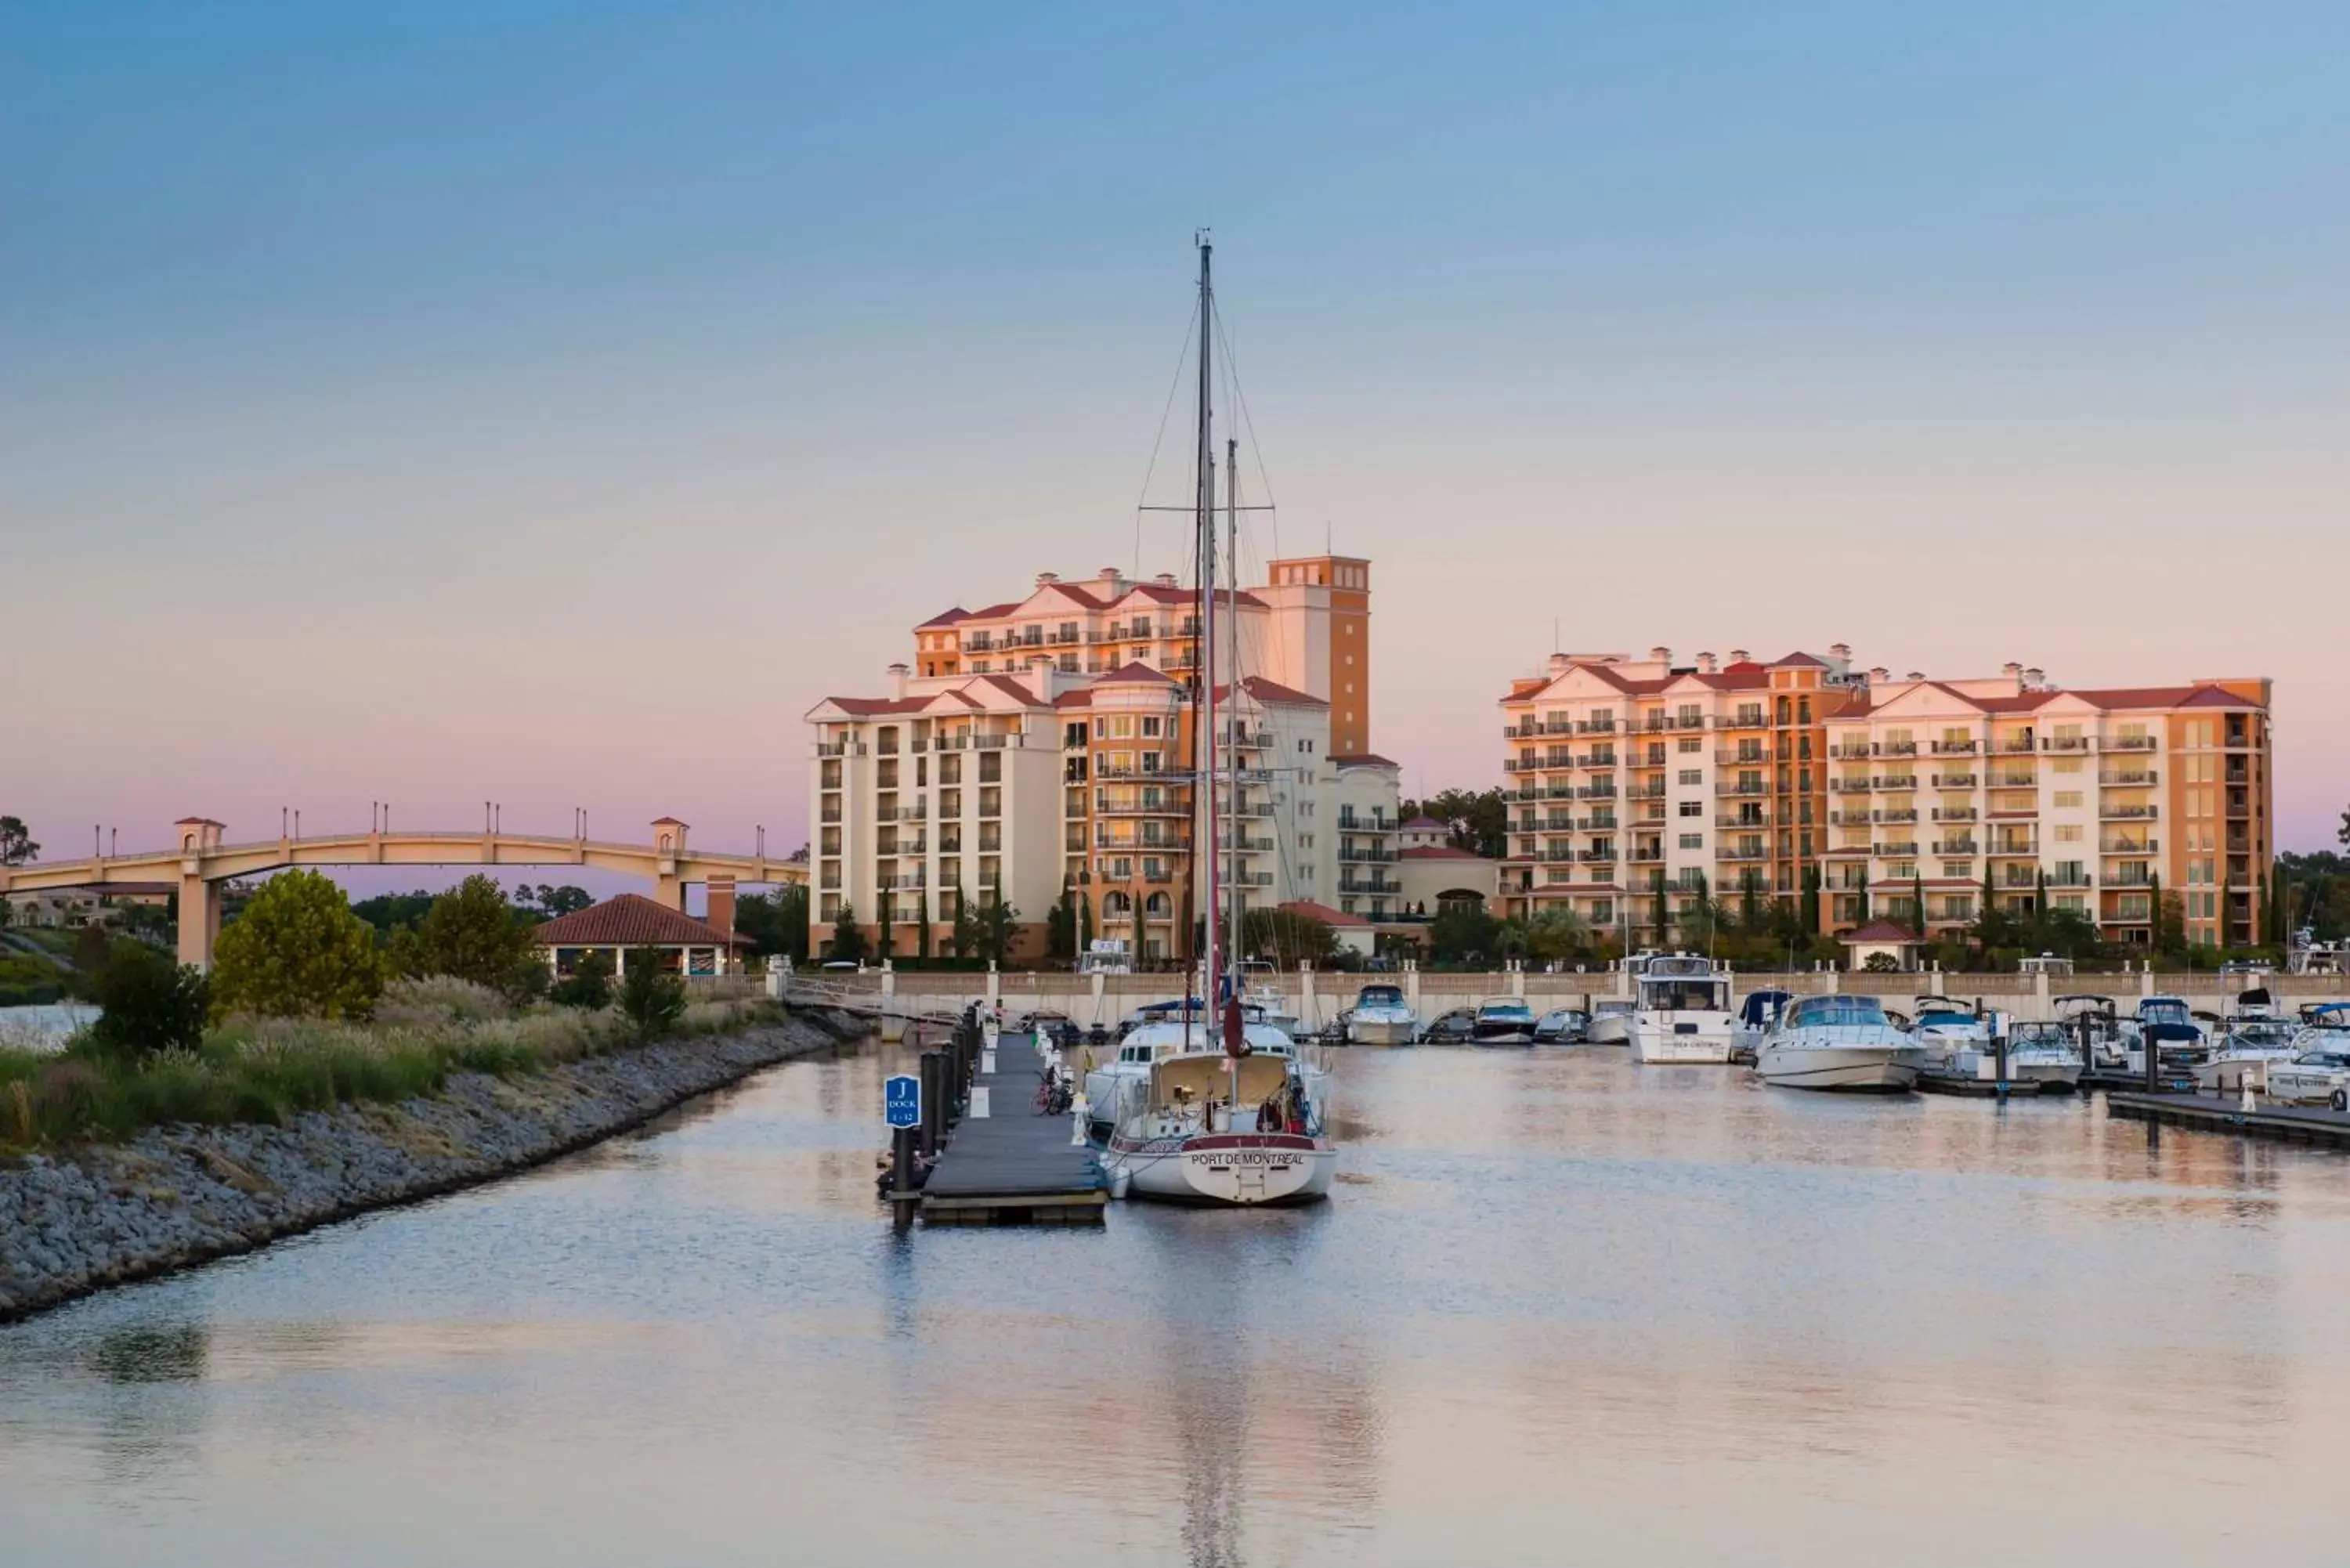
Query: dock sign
{"x": 901, "y": 1101}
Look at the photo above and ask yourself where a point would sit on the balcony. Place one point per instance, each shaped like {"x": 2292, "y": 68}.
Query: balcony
{"x": 2015, "y": 846}
{"x": 1901, "y": 851}
{"x": 841, "y": 749}
{"x": 1360, "y": 856}
{"x": 1252, "y": 878}
{"x": 1897, "y": 781}
{"x": 1954, "y": 813}
{"x": 2123, "y": 843}
{"x": 2130, "y": 877}
{"x": 1906, "y": 814}
{"x": 2131, "y": 744}
{"x": 2068, "y": 878}
{"x": 1741, "y": 759}
{"x": 2023, "y": 742}
{"x": 2117, "y": 813}
{"x": 1647, "y": 857}
{"x": 1348, "y": 822}
{"x": 2015, "y": 780}
{"x": 1741, "y": 852}
{"x": 1954, "y": 781}
{"x": 2065, "y": 743}
{"x": 1595, "y": 760}
{"x": 1957, "y": 847}
{"x": 1750, "y": 824}
{"x": 1850, "y": 786}
{"x": 1956, "y": 748}
{"x": 1899, "y": 748}
{"x": 1595, "y": 856}
{"x": 1733, "y": 787}
{"x": 1374, "y": 884}
{"x": 1652, "y": 791}
{"x": 1848, "y": 818}
{"x": 1595, "y": 792}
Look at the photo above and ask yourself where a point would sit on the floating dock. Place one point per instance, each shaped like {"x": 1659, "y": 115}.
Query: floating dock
{"x": 1013, "y": 1166}
{"x": 2291, "y": 1124}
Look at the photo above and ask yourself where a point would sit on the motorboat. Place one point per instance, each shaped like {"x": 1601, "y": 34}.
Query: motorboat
{"x": 2318, "y": 1077}
{"x": 2324, "y": 1027}
{"x": 1380, "y": 1016}
{"x": 1611, "y": 1024}
{"x": 1504, "y": 1021}
{"x": 2044, "y": 1053}
{"x": 2169, "y": 1026}
{"x": 2242, "y": 1057}
{"x": 1946, "y": 1027}
{"x": 1456, "y": 1027}
{"x": 1561, "y": 1026}
{"x": 1758, "y": 1013}
{"x": 2095, "y": 1027}
{"x": 1843, "y": 1042}
{"x": 1682, "y": 1010}
{"x": 1192, "y": 1123}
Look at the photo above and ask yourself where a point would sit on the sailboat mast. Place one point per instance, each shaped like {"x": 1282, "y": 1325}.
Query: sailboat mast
{"x": 1204, "y": 740}
{"x": 1233, "y": 669}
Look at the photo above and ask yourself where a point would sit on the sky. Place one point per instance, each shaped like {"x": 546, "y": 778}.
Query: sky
{"x": 547, "y": 404}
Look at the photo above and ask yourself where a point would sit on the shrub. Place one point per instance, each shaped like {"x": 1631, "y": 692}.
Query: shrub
{"x": 1881, "y": 963}
{"x": 151, "y": 1004}
{"x": 590, "y": 985}
{"x": 298, "y": 951}
{"x": 436, "y": 1000}
{"x": 526, "y": 981}
{"x": 652, "y": 1001}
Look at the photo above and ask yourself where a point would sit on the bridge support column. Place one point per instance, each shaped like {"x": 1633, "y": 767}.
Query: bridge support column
{"x": 199, "y": 920}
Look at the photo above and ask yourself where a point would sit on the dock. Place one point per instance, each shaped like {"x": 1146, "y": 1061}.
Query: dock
{"x": 2291, "y": 1124}
{"x": 1013, "y": 1166}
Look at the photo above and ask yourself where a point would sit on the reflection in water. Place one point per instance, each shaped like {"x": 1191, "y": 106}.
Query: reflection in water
{"x": 1558, "y": 1307}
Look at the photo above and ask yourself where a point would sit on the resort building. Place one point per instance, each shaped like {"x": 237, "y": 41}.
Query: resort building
{"x": 1637, "y": 783}
{"x": 633, "y": 927}
{"x": 1075, "y": 705}
{"x": 1433, "y": 872}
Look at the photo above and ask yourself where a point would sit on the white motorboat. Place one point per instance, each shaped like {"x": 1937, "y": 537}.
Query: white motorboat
{"x": 2045, "y": 1054}
{"x": 1946, "y": 1027}
{"x": 2318, "y": 1077}
{"x": 1840, "y": 1043}
{"x": 2096, "y": 1028}
{"x": 1682, "y": 1010}
{"x": 2245, "y": 1056}
{"x": 2180, "y": 1041}
{"x": 1503, "y": 1020}
{"x": 1187, "y": 1123}
{"x": 1561, "y": 1027}
{"x": 1380, "y": 1016}
{"x": 1611, "y": 1024}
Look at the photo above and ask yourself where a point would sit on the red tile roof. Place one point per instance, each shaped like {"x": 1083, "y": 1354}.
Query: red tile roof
{"x": 1436, "y": 852}
{"x": 1265, "y": 691}
{"x": 628, "y": 920}
{"x": 1800, "y": 660}
{"x": 1364, "y": 760}
{"x": 949, "y": 618}
{"x": 1135, "y": 674}
{"x": 1322, "y": 912}
{"x": 1009, "y": 687}
{"x": 871, "y": 705}
{"x": 1879, "y": 932}
{"x": 1427, "y": 823}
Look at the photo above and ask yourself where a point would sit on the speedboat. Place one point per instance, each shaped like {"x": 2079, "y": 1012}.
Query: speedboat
{"x": 1682, "y": 1010}
{"x": 2246, "y": 1055}
{"x": 1504, "y": 1021}
{"x": 1611, "y": 1024}
{"x": 1840, "y": 1043}
{"x": 1758, "y": 1014}
{"x": 2318, "y": 1077}
{"x": 1561, "y": 1026}
{"x": 2044, "y": 1053}
{"x": 2166, "y": 1023}
{"x": 1456, "y": 1027}
{"x": 2096, "y": 1028}
{"x": 1380, "y": 1016}
{"x": 1946, "y": 1027}
{"x": 2324, "y": 1027}
{"x": 1190, "y": 1123}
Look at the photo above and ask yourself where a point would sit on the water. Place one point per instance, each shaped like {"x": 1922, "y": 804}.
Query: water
{"x": 1562, "y": 1310}
{"x": 44, "y": 1027}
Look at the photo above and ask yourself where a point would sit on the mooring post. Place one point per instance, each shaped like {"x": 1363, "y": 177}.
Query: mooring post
{"x": 903, "y": 1195}
{"x": 1999, "y": 1050}
{"x": 2153, "y": 1058}
{"x": 934, "y": 1102}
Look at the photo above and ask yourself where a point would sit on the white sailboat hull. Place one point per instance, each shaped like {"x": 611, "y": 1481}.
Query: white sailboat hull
{"x": 1237, "y": 1170}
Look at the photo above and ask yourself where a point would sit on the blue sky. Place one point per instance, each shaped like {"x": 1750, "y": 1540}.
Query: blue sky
{"x": 408, "y": 402}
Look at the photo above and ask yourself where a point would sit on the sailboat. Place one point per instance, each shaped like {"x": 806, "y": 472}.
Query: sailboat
{"x": 1209, "y": 1110}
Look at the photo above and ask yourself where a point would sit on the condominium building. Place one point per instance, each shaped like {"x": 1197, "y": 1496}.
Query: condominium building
{"x": 1076, "y": 702}
{"x": 1635, "y": 780}
{"x": 2089, "y": 799}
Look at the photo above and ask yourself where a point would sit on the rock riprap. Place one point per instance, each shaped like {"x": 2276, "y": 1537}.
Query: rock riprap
{"x": 84, "y": 1218}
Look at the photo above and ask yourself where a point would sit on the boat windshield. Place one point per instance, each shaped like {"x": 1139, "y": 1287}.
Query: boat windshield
{"x": 2163, "y": 1010}
{"x": 1380, "y": 996}
{"x": 1678, "y": 993}
{"x": 1820, "y": 1012}
{"x": 2334, "y": 1059}
{"x": 1506, "y": 1010}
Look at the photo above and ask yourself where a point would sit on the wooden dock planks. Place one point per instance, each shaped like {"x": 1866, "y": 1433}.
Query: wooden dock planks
{"x": 2294, "y": 1123}
{"x": 1013, "y": 1166}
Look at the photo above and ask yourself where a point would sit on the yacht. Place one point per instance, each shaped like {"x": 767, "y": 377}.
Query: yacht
{"x": 2318, "y": 1077}
{"x": 1681, "y": 1011}
{"x": 2044, "y": 1053}
{"x": 1380, "y": 1016}
{"x": 1504, "y": 1021}
{"x": 1184, "y": 1121}
{"x": 1840, "y": 1043}
{"x": 2244, "y": 1056}
{"x": 2095, "y": 1027}
{"x": 2167, "y": 1023}
{"x": 1946, "y": 1027}
{"x": 1611, "y": 1024}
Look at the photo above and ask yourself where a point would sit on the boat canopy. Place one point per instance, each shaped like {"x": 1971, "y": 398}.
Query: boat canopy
{"x": 1380, "y": 996}
{"x": 1824, "y": 1012}
{"x": 1196, "y": 1079}
{"x": 1760, "y": 1008}
{"x": 1514, "y": 1006}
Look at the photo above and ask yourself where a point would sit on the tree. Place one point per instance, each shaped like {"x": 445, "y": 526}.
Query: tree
{"x": 1749, "y": 907}
{"x": 588, "y": 985}
{"x": 151, "y": 1004}
{"x": 996, "y": 923}
{"x": 1474, "y": 820}
{"x": 776, "y": 922}
{"x": 2342, "y": 834}
{"x": 469, "y": 932}
{"x": 848, "y": 937}
{"x": 388, "y": 912}
{"x": 1918, "y": 900}
{"x": 1061, "y": 926}
{"x": 1881, "y": 963}
{"x": 1664, "y": 910}
{"x": 1464, "y": 933}
{"x": 1286, "y": 937}
{"x": 888, "y": 916}
{"x": 298, "y": 951}
{"x": 16, "y": 845}
{"x": 922, "y": 925}
{"x": 653, "y": 998}
{"x": 1555, "y": 933}
{"x": 1810, "y": 910}
{"x": 548, "y": 901}
{"x": 965, "y": 934}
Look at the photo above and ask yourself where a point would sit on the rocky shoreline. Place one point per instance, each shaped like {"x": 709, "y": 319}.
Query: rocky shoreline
{"x": 98, "y": 1215}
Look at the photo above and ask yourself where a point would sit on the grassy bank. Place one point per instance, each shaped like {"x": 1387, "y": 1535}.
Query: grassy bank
{"x": 271, "y": 1070}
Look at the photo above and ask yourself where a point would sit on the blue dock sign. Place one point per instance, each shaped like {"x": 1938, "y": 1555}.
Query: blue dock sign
{"x": 901, "y": 1101}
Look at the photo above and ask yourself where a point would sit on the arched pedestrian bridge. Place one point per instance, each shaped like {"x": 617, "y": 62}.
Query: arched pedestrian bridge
{"x": 203, "y": 863}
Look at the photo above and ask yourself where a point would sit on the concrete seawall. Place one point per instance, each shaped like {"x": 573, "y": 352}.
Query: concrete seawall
{"x": 96, "y": 1215}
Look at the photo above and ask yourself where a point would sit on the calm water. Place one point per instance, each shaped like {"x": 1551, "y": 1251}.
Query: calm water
{"x": 1562, "y": 1310}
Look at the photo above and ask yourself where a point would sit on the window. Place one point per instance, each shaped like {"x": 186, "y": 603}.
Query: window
{"x": 1691, "y": 744}
{"x": 1603, "y": 911}
{"x": 2068, "y": 833}
{"x": 990, "y": 766}
{"x": 1692, "y": 841}
{"x": 1692, "y": 808}
{"x": 1692, "y": 716}
{"x": 2068, "y": 800}
{"x": 1903, "y": 870}
{"x": 1150, "y": 725}
{"x": 1957, "y": 869}
{"x": 2066, "y": 765}
{"x": 1693, "y": 775}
